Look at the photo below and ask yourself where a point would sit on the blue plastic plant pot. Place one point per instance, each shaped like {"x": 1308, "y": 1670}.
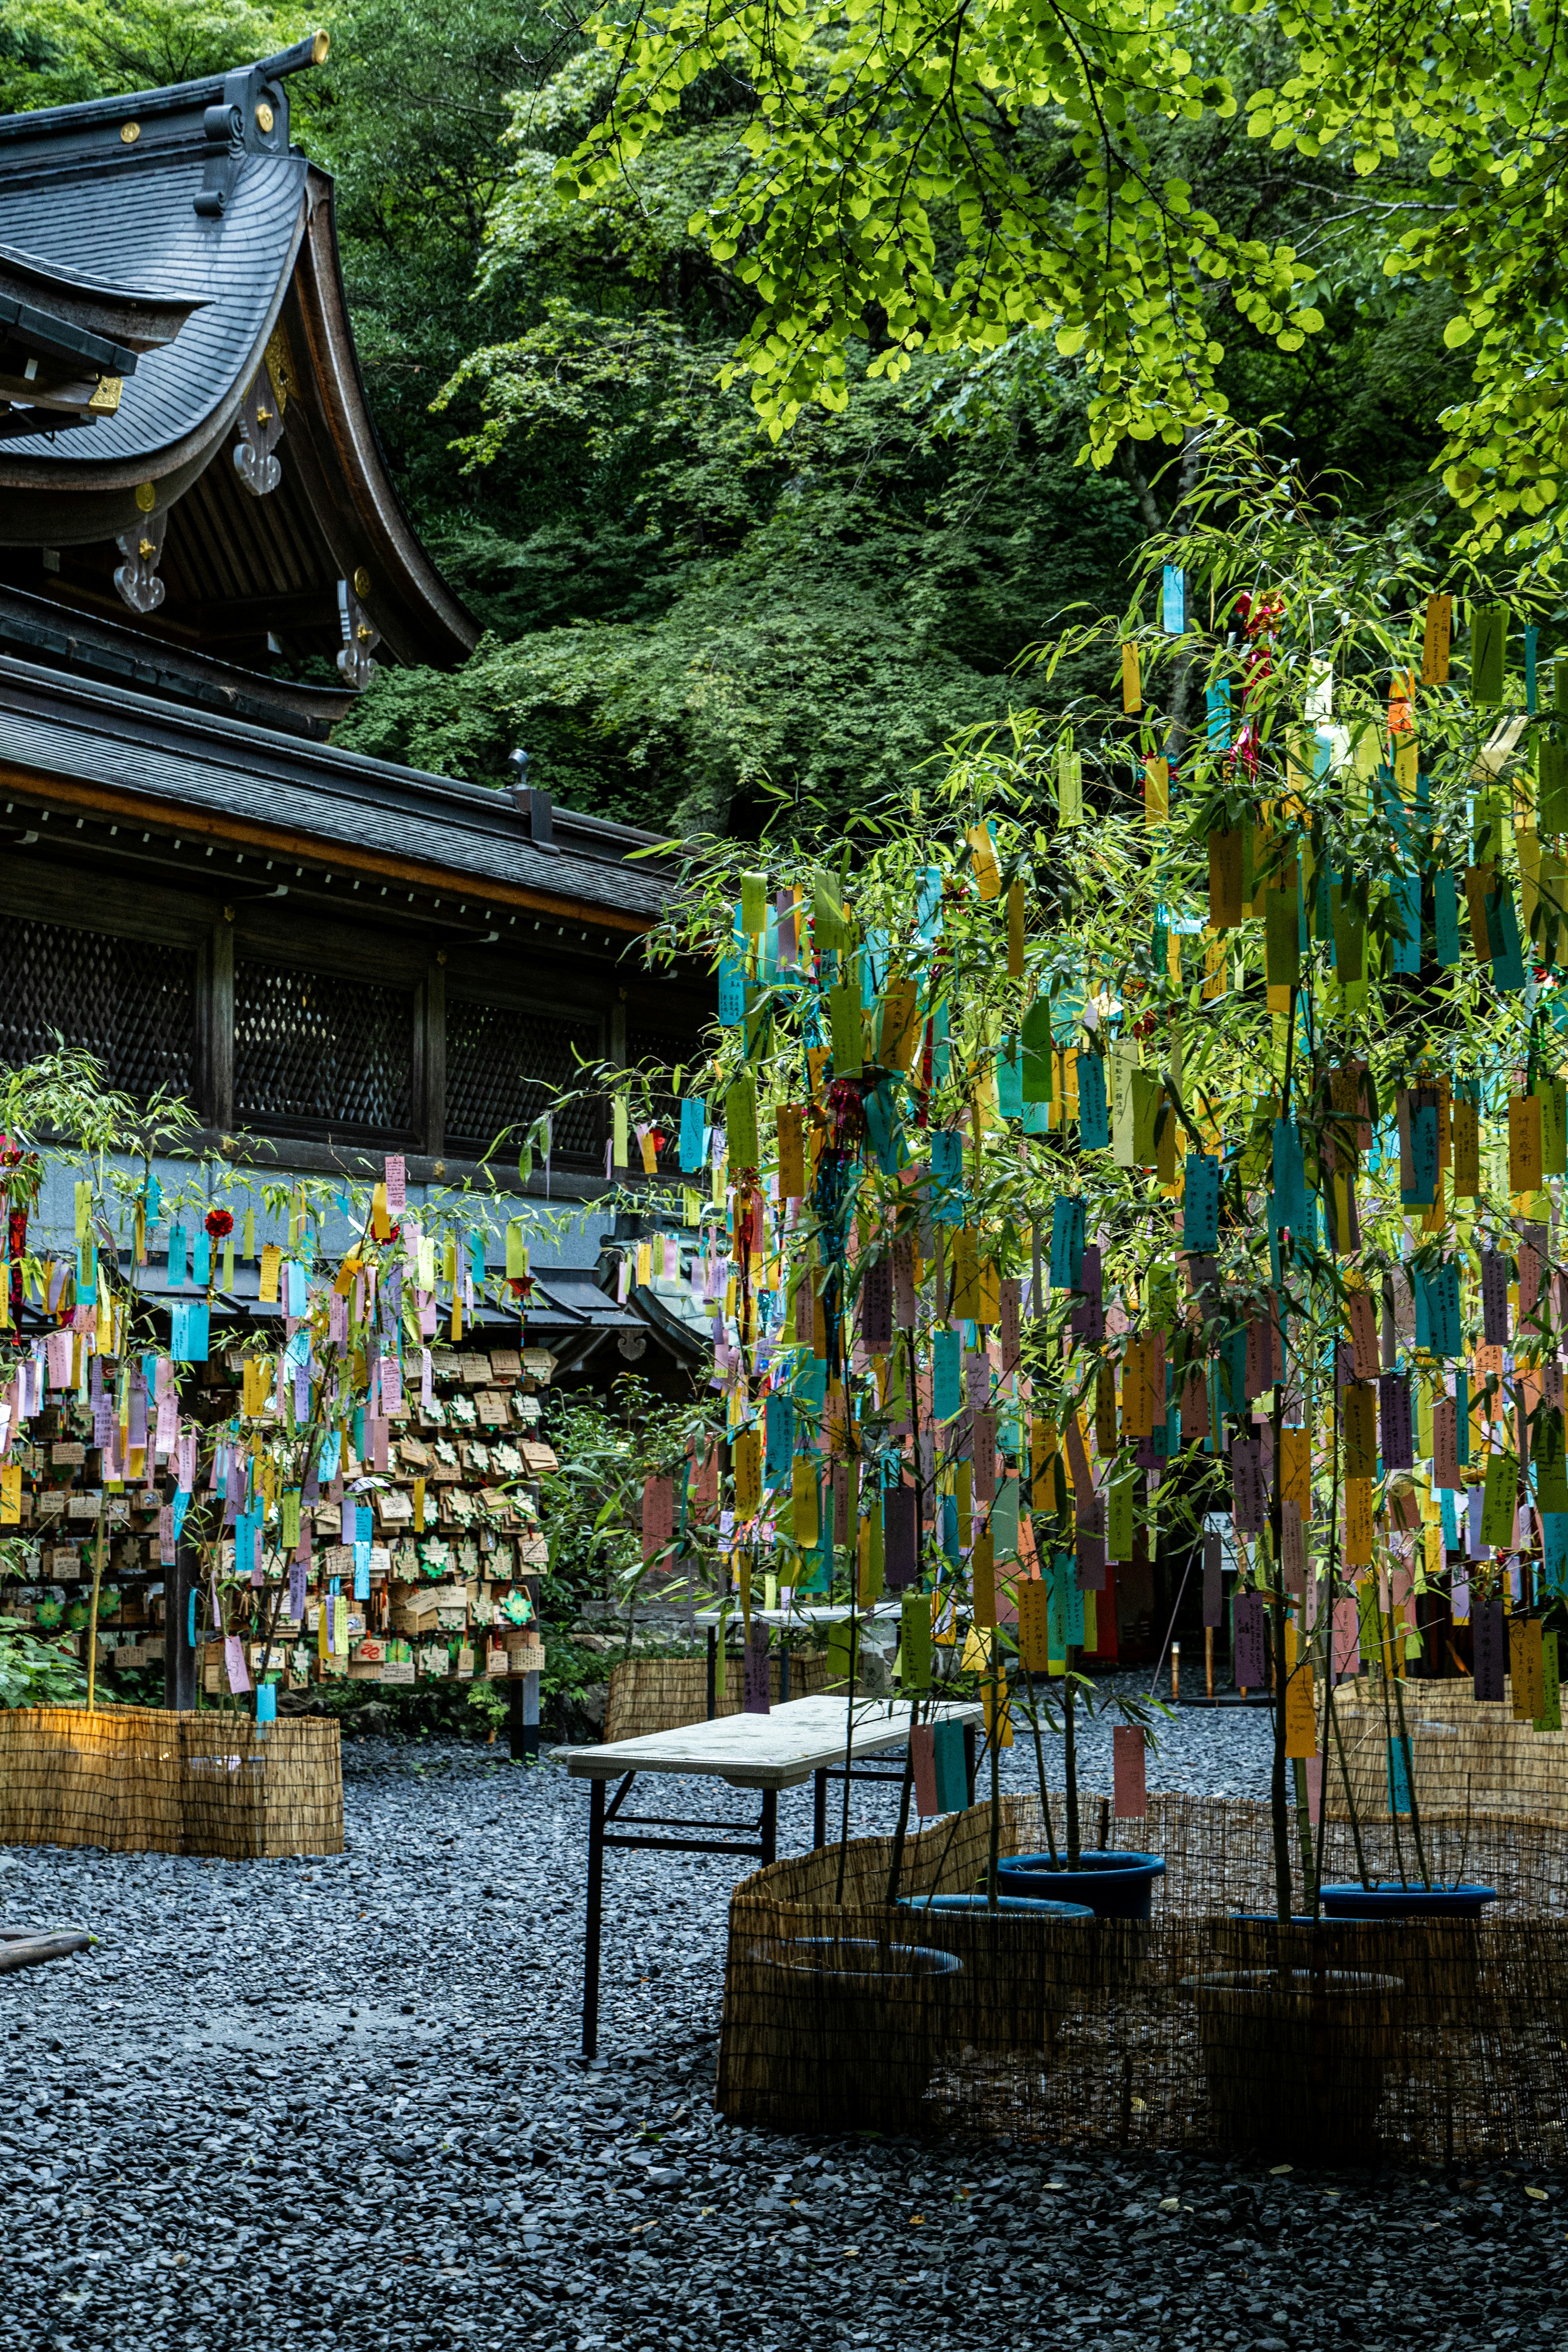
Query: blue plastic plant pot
{"x": 975, "y": 1906}
{"x": 1383, "y": 1900}
{"x": 1111, "y": 1886}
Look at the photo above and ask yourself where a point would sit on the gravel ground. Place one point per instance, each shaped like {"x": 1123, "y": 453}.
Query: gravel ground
{"x": 336, "y": 2104}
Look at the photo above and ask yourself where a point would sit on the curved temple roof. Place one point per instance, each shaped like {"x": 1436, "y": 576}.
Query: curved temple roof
{"x": 188, "y": 210}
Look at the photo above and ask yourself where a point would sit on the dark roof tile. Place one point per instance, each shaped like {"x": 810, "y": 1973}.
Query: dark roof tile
{"x": 52, "y": 725}
{"x": 138, "y": 226}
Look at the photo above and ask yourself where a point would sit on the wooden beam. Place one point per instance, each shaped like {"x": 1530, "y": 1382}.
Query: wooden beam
{"x": 435, "y": 1056}
{"x": 220, "y": 1024}
{"x": 340, "y": 857}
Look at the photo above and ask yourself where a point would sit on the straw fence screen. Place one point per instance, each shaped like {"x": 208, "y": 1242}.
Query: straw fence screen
{"x": 650, "y": 1694}
{"x": 1463, "y": 1751}
{"x": 140, "y": 1779}
{"x": 1196, "y": 2030}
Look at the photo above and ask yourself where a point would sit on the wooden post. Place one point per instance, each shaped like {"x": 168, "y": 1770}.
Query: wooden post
{"x": 1208, "y": 1657}
{"x": 219, "y": 1024}
{"x": 431, "y": 1112}
{"x": 180, "y": 1586}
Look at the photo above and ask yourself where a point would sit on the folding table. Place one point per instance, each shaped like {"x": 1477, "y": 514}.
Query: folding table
{"x": 805, "y": 1738}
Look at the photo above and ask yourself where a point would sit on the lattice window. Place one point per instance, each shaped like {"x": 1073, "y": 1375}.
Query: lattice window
{"x": 661, "y": 1052}
{"x": 130, "y": 1005}
{"x": 318, "y": 1056}
{"x": 502, "y": 1066}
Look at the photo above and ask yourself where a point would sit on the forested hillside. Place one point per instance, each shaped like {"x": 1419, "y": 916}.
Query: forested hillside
{"x": 683, "y": 618}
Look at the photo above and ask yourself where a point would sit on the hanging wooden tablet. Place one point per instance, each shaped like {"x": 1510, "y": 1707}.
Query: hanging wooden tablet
{"x": 1246, "y": 1487}
{"x": 982, "y": 1428}
{"x": 846, "y": 1031}
{"x": 923, "y": 1765}
{"x": 1296, "y": 1469}
{"x": 1301, "y": 1713}
{"x": 903, "y": 1562}
{"x": 1490, "y": 1646}
{"x": 1500, "y": 1497}
{"x": 1397, "y": 1436}
{"x": 1089, "y": 1311}
{"x": 1494, "y": 1298}
{"x": 1551, "y": 1716}
{"x": 982, "y": 1579}
{"x": 657, "y": 1515}
{"x": 905, "y": 1289}
{"x": 1358, "y": 1523}
{"x": 1292, "y": 1547}
{"x": 1129, "y": 1773}
{"x": 1249, "y": 1655}
{"x": 1358, "y": 1419}
{"x": 870, "y": 1564}
{"x": 952, "y": 1778}
{"x": 1015, "y": 929}
{"x": 1088, "y": 1543}
{"x": 1551, "y": 1464}
{"x": 1445, "y": 1444}
{"x": 756, "y": 1679}
{"x": 1195, "y": 1407}
{"x": 1214, "y": 1577}
{"x": 1435, "y": 640}
{"x": 899, "y": 1031}
{"x": 1478, "y": 881}
{"x": 1467, "y": 1150}
{"x": 1363, "y": 1318}
{"x": 846, "y": 1500}
{"x": 1524, "y": 1170}
{"x": 747, "y": 1457}
{"x": 1034, "y": 1639}
{"x": 877, "y": 1305}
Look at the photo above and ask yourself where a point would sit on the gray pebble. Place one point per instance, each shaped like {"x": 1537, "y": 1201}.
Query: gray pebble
{"x": 338, "y": 2104}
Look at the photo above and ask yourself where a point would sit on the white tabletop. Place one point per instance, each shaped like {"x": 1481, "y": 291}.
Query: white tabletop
{"x": 776, "y": 1750}
{"x": 805, "y": 1612}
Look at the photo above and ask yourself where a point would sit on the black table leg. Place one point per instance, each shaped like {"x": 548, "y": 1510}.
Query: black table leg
{"x": 819, "y": 1809}
{"x": 712, "y": 1672}
{"x": 968, "y": 1760}
{"x": 592, "y": 1923}
{"x": 770, "y": 1825}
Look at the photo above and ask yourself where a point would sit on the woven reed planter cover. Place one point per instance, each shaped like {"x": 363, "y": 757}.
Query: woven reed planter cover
{"x": 137, "y": 1779}
{"x": 1196, "y": 2030}
{"x": 1460, "y": 1746}
{"x": 649, "y": 1694}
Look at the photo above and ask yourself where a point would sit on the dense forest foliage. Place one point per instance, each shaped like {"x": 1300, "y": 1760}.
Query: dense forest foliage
{"x": 685, "y": 620}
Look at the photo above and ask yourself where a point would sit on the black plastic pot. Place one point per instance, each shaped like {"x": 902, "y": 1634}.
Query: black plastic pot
{"x": 1295, "y": 2058}
{"x": 1011, "y": 1905}
{"x": 864, "y": 2020}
